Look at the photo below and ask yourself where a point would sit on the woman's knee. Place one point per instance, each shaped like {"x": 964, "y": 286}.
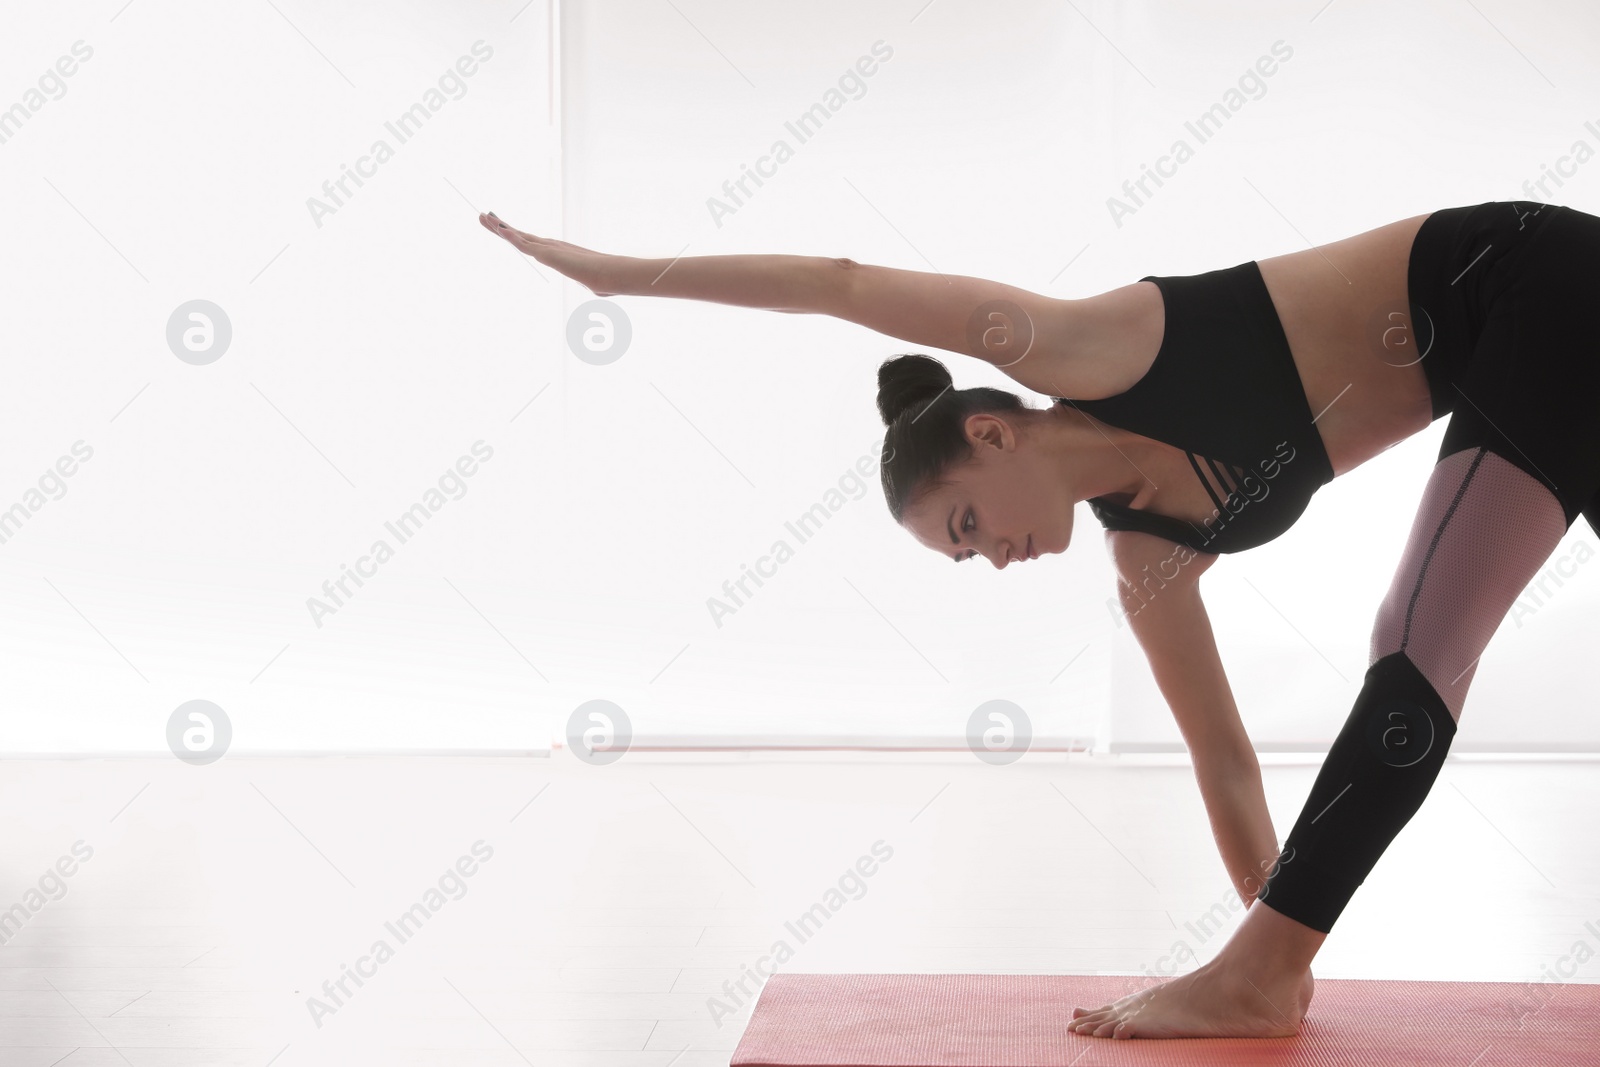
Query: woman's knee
{"x": 1483, "y": 529}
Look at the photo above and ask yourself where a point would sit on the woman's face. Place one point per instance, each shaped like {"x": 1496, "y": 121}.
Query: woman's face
{"x": 1008, "y": 502}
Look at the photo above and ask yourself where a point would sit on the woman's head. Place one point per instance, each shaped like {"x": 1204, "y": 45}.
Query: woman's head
{"x": 977, "y": 463}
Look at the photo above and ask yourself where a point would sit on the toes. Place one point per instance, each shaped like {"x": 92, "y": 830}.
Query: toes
{"x": 1088, "y": 1021}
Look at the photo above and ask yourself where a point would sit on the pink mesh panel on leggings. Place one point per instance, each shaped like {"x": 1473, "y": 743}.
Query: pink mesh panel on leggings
{"x": 1484, "y": 528}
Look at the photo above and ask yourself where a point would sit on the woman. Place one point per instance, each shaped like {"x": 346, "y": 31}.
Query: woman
{"x": 1197, "y": 415}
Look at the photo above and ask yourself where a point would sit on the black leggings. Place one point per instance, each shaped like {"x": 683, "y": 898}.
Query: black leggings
{"x": 1502, "y": 295}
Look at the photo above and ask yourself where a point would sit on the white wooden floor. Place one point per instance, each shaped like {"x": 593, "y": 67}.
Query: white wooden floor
{"x": 617, "y": 904}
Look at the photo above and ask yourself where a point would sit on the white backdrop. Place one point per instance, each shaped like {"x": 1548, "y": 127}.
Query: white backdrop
{"x": 382, "y": 338}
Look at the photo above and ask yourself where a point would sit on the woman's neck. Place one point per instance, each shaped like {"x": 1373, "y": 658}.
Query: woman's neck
{"x": 1096, "y": 458}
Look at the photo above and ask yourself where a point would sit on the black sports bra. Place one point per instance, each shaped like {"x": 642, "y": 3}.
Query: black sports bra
{"x": 1224, "y": 388}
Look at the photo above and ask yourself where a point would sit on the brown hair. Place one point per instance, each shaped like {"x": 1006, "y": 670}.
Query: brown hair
{"x": 926, "y": 420}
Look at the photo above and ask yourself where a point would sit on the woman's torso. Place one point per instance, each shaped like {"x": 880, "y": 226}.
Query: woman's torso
{"x": 1345, "y": 312}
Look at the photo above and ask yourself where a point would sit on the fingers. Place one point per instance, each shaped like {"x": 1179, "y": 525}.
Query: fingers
{"x": 526, "y": 243}
{"x": 495, "y": 224}
{"x": 522, "y": 242}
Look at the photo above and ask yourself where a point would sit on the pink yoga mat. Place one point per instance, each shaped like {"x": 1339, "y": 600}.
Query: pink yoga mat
{"x": 1020, "y": 1020}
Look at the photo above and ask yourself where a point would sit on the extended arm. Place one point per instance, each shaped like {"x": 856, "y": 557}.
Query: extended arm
{"x": 1170, "y": 622}
{"x": 796, "y": 284}
{"x": 998, "y": 323}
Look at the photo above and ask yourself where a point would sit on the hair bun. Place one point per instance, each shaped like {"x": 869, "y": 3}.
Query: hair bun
{"x": 907, "y": 380}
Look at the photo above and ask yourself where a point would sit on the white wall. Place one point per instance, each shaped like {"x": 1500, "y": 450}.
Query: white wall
{"x": 371, "y": 352}
{"x": 367, "y": 354}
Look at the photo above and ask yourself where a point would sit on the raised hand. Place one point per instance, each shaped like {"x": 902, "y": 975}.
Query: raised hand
{"x": 593, "y": 270}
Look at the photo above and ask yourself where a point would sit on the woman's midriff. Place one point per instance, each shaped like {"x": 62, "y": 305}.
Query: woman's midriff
{"x": 1347, "y": 315}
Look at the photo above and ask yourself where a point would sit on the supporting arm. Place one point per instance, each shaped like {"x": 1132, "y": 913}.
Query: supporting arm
{"x": 1168, "y": 617}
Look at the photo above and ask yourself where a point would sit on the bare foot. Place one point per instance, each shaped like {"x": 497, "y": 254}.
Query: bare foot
{"x": 1218, "y": 999}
